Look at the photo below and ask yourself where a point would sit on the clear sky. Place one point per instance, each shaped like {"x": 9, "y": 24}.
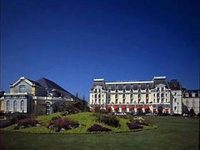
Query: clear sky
{"x": 71, "y": 42}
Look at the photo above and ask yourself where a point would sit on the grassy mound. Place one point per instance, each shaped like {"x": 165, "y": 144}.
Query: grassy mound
{"x": 85, "y": 119}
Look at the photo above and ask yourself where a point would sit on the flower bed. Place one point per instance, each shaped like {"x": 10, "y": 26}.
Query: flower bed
{"x": 61, "y": 124}
{"x": 108, "y": 120}
{"x": 24, "y": 123}
{"x": 133, "y": 125}
{"x": 98, "y": 128}
{"x": 140, "y": 121}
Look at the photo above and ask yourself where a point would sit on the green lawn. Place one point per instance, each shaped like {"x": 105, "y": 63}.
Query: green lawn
{"x": 172, "y": 133}
{"x": 85, "y": 119}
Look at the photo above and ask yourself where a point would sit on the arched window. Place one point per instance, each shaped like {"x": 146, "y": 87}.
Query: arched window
{"x": 7, "y": 105}
{"x": 174, "y": 107}
{"x": 15, "y": 105}
{"x": 22, "y": 105}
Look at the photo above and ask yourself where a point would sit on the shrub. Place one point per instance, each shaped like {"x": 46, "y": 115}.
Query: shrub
{"x": 103, "y": 111}
{"x": 28, "y": 122}
{"x": 2, "y": 113}
{"x": 109, "y": 109}
{"x": 18, "y": 116}
{"x": 62, "y": 123}
{"x": 24, "y": 123}
{"x": 140, "y": 121}
{"x": 133, "y": 125}
{"x": 97, "y": 109}
{"x": 110, "y": 120}
{"x": 55, "y": 118}
{"x": 5, "y": 123}
{"x": 98, "y": 128}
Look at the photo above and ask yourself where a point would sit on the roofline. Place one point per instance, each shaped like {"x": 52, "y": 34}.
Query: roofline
{"x": 25, "y": 93}
{"x": 129, "y": 82}
{"x": 99, "y": 79}
{"x": 159, "y": 77}
{"x": 22, "y": 78}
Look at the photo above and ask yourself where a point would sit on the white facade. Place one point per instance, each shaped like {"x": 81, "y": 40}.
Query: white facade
{"x": 16, "y": 102}
{"x": 28, "y": 96}
{"x": 177, "y": 101}
{"x": 191, "y": 100}
{"x": 144, "y": 96}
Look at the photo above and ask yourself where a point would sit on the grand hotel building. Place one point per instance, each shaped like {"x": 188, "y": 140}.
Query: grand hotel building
{"x": 137, "y": 96}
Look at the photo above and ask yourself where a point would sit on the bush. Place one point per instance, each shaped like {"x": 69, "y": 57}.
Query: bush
{"x": 15, "y": 117}
{"x": 5, "y": 123}
{"x": 2, "y": 113}
{"x": 98, "y": 128}
{"x": 133, "y": 125}
{"x": 55, "y": 118}
{"x": 103, "y": 111}
{"x": 97, "y": 109}
{"x": 28, "y": 122}
{"x": 140, "y": 121}
{"x": 62, "y": 123}
{"x": 110, "y": 120}
{"x": 24, "y": 123}
{"x": 176, "y": 115}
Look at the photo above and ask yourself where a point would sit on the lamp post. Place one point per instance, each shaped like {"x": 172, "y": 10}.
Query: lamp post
{"x": 135, "y": 107}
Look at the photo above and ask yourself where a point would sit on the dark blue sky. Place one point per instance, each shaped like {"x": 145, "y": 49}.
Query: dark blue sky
{"x": 71, "y": 42}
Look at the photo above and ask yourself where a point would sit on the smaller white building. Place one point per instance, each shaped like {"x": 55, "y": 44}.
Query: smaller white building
{"x": 191, "y": 100}
{"x": 37, "y": 97}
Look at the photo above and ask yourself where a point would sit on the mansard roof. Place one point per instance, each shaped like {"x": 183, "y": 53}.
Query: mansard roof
{"x": 189, "y": 93}
{"x": 160, "y": 80}
{"x": 121, "y": 85}
{"x": 134, "y": 86}
{"x": 174, "y": 85}
{"x": 99, "y": 82}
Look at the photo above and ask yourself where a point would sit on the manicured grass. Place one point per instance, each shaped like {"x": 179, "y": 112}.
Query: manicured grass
{"x": 173, "y": 133}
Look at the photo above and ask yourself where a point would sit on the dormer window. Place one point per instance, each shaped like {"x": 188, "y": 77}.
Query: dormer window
{"x": 22, "y": 89}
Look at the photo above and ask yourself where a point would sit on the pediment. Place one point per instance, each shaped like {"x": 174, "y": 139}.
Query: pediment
{"x": 22, "y": 79}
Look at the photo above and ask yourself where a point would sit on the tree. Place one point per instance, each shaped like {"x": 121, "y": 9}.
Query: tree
{"x": 192, "y": 113}
{"x": 160, "y": 109}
